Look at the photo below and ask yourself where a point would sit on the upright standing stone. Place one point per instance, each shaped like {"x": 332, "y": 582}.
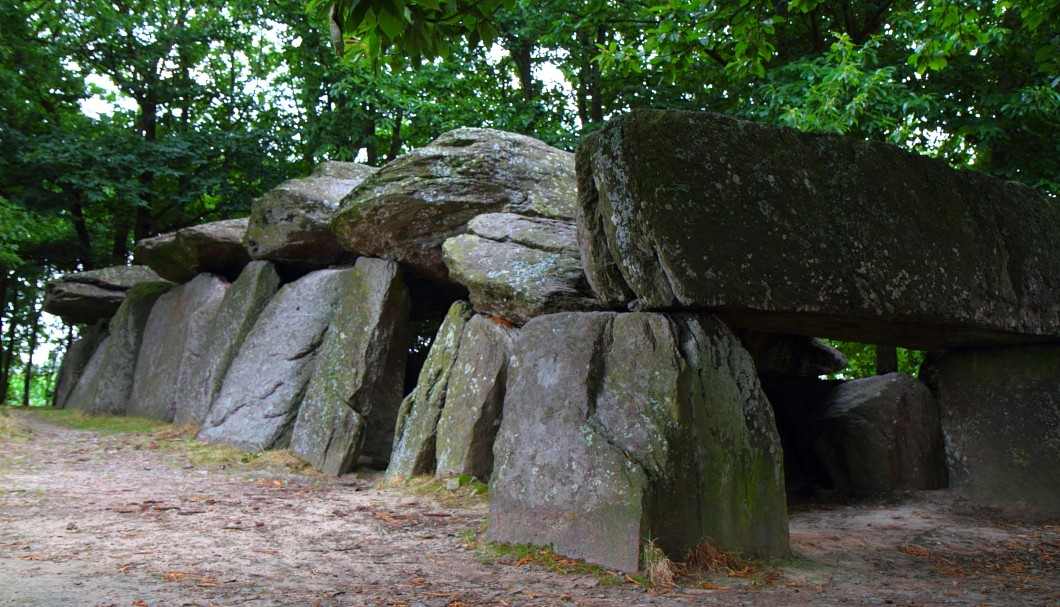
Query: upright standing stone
{"x": 474, "y": 398}
{"x": 813, "y": 234}
{"x": 415, "y": 436}
{"x": 882, "y": 433}
{"x": 352, "y": 400}
{"x": 75, "y": 360}
{"x": 623, "y": 427}
{"x": 1001, "y": 420}
{"x": 107, "y": 381}
{"x": 176, "y": 327}
{"x": 235, "y": 316}
{"x": 259, "y": 398}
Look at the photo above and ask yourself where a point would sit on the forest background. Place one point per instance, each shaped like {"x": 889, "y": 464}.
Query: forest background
{"x": 123, "y": 119}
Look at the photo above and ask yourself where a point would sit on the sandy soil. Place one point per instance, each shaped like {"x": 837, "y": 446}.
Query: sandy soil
{"x": 127, "y": 520}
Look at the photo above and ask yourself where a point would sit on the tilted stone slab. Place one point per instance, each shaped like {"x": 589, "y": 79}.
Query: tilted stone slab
{"x": 176, "y": 332}
{"x": 88, "y": 297}
{"x": 416, "y": 431}
{"x": 75, "y": 360}
{"x": 259, "y": 397}
{"x": 206, "y": 366}
{"x": 352, "y": 401}
{"x": 1001, "y": 419}
{"x": 882, "y": 434}
{"x": 411, "y": 206}
{"x": 619, "y": 428}
{"x": 518, "y": 267}
{"x": 813, "y": 234}
{"x": 474, "y": 399}
{"x": 290, "y": 223}
{"x": 180, "y": 256}
{"x": 107, "y": 381}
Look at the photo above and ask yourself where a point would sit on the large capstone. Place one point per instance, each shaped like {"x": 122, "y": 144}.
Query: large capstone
{"x": 259, "y": 397}
{"x": 416, "y": 431}
{"x": 352, "y": 400}
{"x": 88, "y": 297}
{"x": 229, "y": 326}
{"x": 518, "y": 267}
{"x": 411, "y": 206}
{"x": 290, "y": 223}
{"x": 107, "y": 380}
{"x": 1001, "y": 419}
{"x": 180, "y": 256}
{"x": 177, "y": 331}
{"x": 880, "y": 434}
{"x": 75, "y": 360}
{"x": 813, "y": 234}
{"x": 619, "y": 428}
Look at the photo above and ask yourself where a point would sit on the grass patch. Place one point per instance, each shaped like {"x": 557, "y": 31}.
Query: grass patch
{"x": 658, "y": 568}
{"x": 544, "y": 556}
{"x": 12, "y": 429}
{"x": 106, "y": 425}
{"x": 218, "y": 455}
{"x": 462, "y": 490}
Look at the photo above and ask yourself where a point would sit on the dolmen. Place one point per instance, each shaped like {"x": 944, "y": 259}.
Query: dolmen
{"x": 622, "y": 342}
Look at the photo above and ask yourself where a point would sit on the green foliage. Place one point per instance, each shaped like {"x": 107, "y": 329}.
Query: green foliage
{"x": 861, "y": 360}
{"x": 421, "y": 29}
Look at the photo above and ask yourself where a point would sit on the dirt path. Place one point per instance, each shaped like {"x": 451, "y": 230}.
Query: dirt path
{"x": 127, "y": 520}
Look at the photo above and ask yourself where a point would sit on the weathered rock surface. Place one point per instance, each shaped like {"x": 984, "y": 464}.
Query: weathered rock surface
{"x": 791, "y": 355}
{"x": 882, "y": 433}
{"x": 518, "y": 267}
{"x": 352, "y": 401}
{"x": 290, "y": 223}
{"x": 813, "y": 234}
{"x": 215, "y": 247}
{"x": 176, "y": 332}
{"x": 623, "y": 427}
{"x": 88, "y": 297}
{"x": 474, "y": 399}
{"x": 416, "y": 431}
{"x": 107, "y": 380}
{"x": 206, "y": 366}
{"x": 259, "y": 397}
{"x": 411, "y": 206}
{"x": 75, "y": 360}
{"x": 1001, "y": 419}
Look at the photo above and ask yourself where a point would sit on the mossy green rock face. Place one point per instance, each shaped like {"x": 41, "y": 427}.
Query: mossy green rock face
{"x": 107, "y": 381}
{"x": 259, "y": 397}
{"x": 289, "y": 224}
{"x": 75, "y": 360}
{"x": 176, "y": 331}
{"x": 881, "y": 434}
{"x": 411, "y": 206}
{"x": 415, "y": 434}
{"x": 206, "y": 365}
{"x": 623, "y": 427}
{"x": 180, "y": 256}
{"x": 474, "y": 399}
{"x": 518, "y": 267}
{"x": 88, "y": 297}
{"x": 351, "y": 403}
{"x": 1001, "y": 419}
{"x": 813, "y": 234}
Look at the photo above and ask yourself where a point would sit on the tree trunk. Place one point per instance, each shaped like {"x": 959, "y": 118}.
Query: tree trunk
{"x": 521, "y": 53}
{"x": 886, "y": 360}
{"x": 86, "y": 255}
{"x": 395, "y": 136}
{"x": 27, "y": 377}
{"x": 7, "y": 348}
